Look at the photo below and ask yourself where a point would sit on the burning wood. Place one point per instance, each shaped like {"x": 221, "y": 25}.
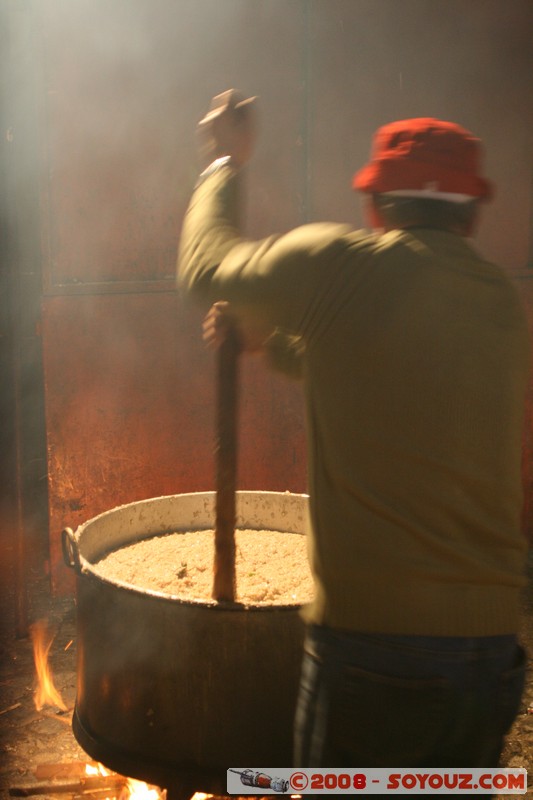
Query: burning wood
{"x": 46, "y": 692}
{"x": 57, "y": 716}
{"x": 90, "y": 781}
{"x": 10, "y": 708}
{"x": 64, "y": 769}
{"x": 68, "y": 786}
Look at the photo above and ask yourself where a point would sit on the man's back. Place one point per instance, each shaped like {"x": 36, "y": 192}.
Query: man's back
{"x": 416, "y": 367}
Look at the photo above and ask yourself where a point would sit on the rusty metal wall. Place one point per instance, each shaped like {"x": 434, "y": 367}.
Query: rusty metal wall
{"x": 129, "y": 388}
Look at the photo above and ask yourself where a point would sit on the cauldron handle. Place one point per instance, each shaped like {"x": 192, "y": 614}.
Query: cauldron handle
{"x": 69, "y": 545}
{"x": 226, "y": 466}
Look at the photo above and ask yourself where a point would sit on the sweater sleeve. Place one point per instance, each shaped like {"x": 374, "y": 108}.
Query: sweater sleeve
{"x": 210, "y": 230}
{"x": 275, "y": 282}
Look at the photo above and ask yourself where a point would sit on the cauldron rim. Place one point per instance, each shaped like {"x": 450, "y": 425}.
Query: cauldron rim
{"x": 86, "y": 567}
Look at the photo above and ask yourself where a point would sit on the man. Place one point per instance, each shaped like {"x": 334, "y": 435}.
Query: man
{"x": 415, "y": 364}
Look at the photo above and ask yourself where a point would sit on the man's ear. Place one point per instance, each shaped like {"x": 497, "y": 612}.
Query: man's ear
{"x": 472, "y": 224}
{"x": 372, "y": 214}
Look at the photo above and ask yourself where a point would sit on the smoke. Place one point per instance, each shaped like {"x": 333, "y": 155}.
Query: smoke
{"x": 116, "y": 88}
{"x": 373, "y": 62}
{"x": 125, "y": 83}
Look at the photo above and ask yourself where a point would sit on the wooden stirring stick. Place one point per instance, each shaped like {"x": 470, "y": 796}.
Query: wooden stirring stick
{"x": 224, "y": 584}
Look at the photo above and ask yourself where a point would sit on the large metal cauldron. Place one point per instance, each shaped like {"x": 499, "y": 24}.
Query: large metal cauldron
{"x": 173, "y": 691}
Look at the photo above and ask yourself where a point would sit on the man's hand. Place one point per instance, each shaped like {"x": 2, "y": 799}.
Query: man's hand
{"x": 220, "y": 321}
{"x": 228, "y": 129}
{"x": 217, "y": 323}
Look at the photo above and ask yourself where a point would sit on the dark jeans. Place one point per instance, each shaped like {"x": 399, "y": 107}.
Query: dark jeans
{"x": 406, "y": 701}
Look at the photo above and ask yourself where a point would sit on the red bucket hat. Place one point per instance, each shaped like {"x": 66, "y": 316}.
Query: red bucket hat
{"x": 424, "y": 157}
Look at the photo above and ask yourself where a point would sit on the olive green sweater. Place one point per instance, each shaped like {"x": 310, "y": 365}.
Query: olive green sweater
{"x": 415, "y": 370}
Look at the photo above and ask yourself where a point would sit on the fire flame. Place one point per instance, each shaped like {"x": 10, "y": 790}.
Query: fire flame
{"x": 46, "y": 692}
{"x": 138, "y": 790}
{"x": 133, "y": 789}
{"x": 96, "y": 769}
